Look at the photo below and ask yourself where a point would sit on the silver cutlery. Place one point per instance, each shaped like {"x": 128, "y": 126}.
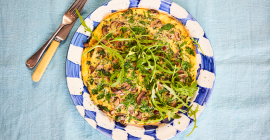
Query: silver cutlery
{"x": 69, "y": 18}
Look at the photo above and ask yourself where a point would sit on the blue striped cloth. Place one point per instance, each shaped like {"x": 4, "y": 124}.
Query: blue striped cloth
{"x": 239, "y": 107}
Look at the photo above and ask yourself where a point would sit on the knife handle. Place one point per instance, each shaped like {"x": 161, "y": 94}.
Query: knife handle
{"x": 45, "y": 61}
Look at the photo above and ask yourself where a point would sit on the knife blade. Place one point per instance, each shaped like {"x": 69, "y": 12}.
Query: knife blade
{"x": 62, "y": 35}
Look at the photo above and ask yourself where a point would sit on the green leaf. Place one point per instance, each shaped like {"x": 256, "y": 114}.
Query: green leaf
{"x": 190, "y": 51}
{"x": 100, "y": 96}
{"x": 147, "y": 41}
{"x": 138, "y": 30}
{"x": 186, "y": 65}
{"x": 103, "y": 108}
{"x": 195, "y": 42}
{"x": 183, "y": 44}
{"x": 193, "y": 113}
{"x": 167, "y": 26}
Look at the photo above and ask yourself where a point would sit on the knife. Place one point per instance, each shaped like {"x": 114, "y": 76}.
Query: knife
{"x": 62, "y": 35}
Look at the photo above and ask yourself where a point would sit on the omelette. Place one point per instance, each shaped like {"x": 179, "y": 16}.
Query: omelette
{"x": 140, "y": 66}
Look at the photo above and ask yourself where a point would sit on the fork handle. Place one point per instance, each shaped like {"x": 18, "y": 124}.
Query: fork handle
{"x": 33, "y": 60}
{"x": 45, "y": 61}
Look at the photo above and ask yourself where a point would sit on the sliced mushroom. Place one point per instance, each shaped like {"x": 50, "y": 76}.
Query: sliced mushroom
{"x": 176, "y": 55}
{"x": 174, "y": 104}
{"x": 115, "y": 61}
{"x": 156, "y": 23}
{"x": 156, "y": 112}
{"x": 112, "y": 112}
{"x": 134, "y": 90}
{"x": 126, "y": 86}
{"x": 153, "y": 11}
{"x": 131, "y": 109}
{"x": 104, "y": 41}
{"x": 164, "y": 48}
{"x": 139, "y": 115}
{"x": 117, "y": 91}
{"x": 139, "y": 97}
{"x": 120, "y": 24}
{"x": 92, "y": 69}
{"x": 177, "y": 35}
{"x": 134, "y": 64}
{"x": 120, "y": 114}
{"x": 122, "y": 119}
{"x": 140, "y": 15}
{"x": 105, "y": 30}
{"x": 181, "y": 71}
{"x": 119, "y": 44}
{"x": 116, "y": 102}
{"x": 182, "y": 78}
{"x": 114, "y": 25}
{"x": 86, "y": 45}
{"x": 99, "y": 67}
{"x": 169, "y": 35}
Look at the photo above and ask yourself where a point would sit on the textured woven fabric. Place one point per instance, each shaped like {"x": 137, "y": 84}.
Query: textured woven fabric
{"x": 239, "y": 107}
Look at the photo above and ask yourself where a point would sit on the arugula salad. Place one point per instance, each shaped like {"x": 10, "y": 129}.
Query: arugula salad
{"x": 140, "y": 67}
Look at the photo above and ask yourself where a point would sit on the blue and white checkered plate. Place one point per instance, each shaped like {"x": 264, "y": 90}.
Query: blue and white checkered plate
{"x": 100, "y": 121}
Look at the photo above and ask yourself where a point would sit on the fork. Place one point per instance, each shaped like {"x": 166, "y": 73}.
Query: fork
{"x": 68, "y": 18}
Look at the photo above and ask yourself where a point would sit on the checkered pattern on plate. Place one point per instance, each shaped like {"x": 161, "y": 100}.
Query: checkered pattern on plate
{"x": 101, "y": 122}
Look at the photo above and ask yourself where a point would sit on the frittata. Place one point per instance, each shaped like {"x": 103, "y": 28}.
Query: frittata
{"x": 140, "y": 66}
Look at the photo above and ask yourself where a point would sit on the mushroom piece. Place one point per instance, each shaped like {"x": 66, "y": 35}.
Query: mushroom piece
{"x": 120, "y": 114}
{"x": 156, "y": 112}
{"x": 156, "y": 23}
{"x": 119, "y": 44}
{"x": 177, "y": 35}
{"x": 92, "y": 69}
{"x": 164, "y": 48}
{"x": 105, "y": 30}
{"x": 134, "y": 64}
{"x": 176, "y": 55}
{"x": 115, "y": 61}
{"x": 174, "y": 104}
{"x": 112, "y": 112}
{"x": 153, "y": 11}
{"x": 140, "y": 15}
{"x": 120, "y": 24}
{"x": 104, "y": 41}
{"x": 139, "y": 97}
{"x": 181, "y": 71}
{"x": 114, "y": 25}
{"x": 131, "y": 109}
{"x": 134, "y": 90}
{"x": 122, "y": 119}
{"x": 117, "y": 91}
{"x": 139, "y": 115}
{"x": 169, "y": 35}
{"x": 86, "y": 45}
{"x": 116, "y": 102}
{"x": 182, "y": 78}
{"x": 126, "y": 86}
{"x": 99, "y": 67}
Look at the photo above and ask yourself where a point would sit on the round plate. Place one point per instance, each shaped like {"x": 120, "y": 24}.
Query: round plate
{"x": 96, "y": 118}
